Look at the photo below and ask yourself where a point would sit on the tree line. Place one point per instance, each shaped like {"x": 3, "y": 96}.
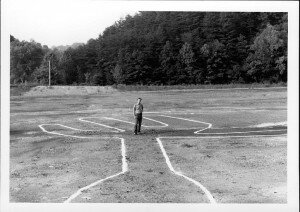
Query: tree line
{"x": 165, "y": 48}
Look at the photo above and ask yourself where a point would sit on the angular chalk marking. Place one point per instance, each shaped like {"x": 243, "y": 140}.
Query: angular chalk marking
{"x": 123, "y": 148}
{"x": 123, "y": 152}
{"x": 103, "y": 125}
{"x": 162, "y": 123}
{"x": 222, "y": 136}
{"x": 41, "y": 126}
{"x": 124, "y": 169}
{"x": 228, "y": 133}
{"x": 191, "y": 120}
{"x": 207, "y": 193}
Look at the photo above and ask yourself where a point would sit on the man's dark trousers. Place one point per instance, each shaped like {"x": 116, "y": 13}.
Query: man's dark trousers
{"x": 138, "y": 123}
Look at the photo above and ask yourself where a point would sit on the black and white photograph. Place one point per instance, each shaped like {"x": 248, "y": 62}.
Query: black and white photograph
{"x": 192, "y": 104}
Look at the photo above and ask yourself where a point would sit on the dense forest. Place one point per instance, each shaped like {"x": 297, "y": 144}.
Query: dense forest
{"x": 165, "y": 48}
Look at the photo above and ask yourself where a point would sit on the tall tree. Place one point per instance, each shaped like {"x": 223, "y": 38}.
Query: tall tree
{"x": 267, "y": 50}
{"x": 168, "y": 60}
{"x": 41, "y": 74}
{"x": 187, "y": 60}
{"x": 25, "y": 57}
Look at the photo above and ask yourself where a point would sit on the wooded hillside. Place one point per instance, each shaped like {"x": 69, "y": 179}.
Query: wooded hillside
{"x": 166, "y": 48}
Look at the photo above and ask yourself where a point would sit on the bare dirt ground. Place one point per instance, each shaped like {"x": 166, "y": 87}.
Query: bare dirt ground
{"x": 68, "y": 90}
{"x": 239, "y": 155}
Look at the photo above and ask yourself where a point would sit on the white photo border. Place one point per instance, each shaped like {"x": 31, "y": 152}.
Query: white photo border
{"x": 292, "y": 7}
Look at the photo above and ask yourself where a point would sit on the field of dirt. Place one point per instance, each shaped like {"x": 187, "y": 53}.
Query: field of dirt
{"x": 68, "y": 90}
{"x": 63, "y": 143}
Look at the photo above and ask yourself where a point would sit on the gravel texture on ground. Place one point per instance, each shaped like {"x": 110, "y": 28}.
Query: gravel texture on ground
{"x": 51, "y": 167}
{"x": 69, "y": 90}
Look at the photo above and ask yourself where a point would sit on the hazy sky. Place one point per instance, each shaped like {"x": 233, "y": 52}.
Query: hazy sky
{"x": 63, "y": 22}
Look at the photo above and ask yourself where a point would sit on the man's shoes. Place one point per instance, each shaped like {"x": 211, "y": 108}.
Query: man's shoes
{"x": 135, "y": 133}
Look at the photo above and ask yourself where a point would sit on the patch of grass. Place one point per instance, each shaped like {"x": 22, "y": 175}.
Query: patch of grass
{"x": 186, "y": 145}
{"x": 20, "y": 89}
{"x": 122, "y": 87}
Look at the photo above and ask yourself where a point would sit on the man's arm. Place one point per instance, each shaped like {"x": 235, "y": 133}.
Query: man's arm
{"x": 133, "y": 110}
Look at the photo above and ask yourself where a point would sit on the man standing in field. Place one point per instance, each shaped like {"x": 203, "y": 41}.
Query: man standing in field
{"x": 138, "y": 115}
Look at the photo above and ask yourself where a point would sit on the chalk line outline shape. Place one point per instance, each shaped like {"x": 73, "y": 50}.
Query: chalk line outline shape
{"x": 41, "y": 126}
{"x": 124, "y": 170}
{"x": 202, "y": 187}
{"x": 123, "y": 153}
{"x": 125, "y": 167}
{"x": 199, "y": 132}
{"x": 103, "y": 125}
{"x": 169, "y": 164}
{"x": 205, "y": 190}
{"x": 246, "y": 132}
{"x": 167, "y": 159}
{"x": 191, "y": 120}
{"x": 162, "y": 123}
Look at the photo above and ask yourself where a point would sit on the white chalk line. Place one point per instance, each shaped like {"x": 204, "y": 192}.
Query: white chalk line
{"x": 124, "y": 163}
{"x": 124, "y": 170}
{"x": 121, "y": 130}
{"x": 60, "y": 134}
{"x": 245, "y": 132}
{"x": 125, "y": 166}
{"x": 199, "y": 132}
{"x": 222, "y": 136}
{"x": 96, "y": 123}
{"x": 107, "y": 126}
{"x": 123, "y": 152}
{"x": 72, "y": 128}
{"x": 205, "y": 190}
{"x": 162, "y": 123}
{"x": 271, "y": 124}
{"x": 248, "y": 127}
{"x": 191, "y": 120}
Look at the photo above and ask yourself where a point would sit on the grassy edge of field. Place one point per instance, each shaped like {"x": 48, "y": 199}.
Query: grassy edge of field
{"x": 19, "y": 90}
{"x": 199, "y": 86}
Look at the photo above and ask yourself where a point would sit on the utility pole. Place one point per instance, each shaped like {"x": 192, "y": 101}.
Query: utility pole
{"x": 49, "y": 71}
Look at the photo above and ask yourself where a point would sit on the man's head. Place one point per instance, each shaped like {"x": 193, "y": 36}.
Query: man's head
{"x": 139, "y": 100}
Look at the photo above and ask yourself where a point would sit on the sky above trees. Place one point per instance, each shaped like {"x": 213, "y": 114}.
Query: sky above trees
{"x": 63, "y": 22}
